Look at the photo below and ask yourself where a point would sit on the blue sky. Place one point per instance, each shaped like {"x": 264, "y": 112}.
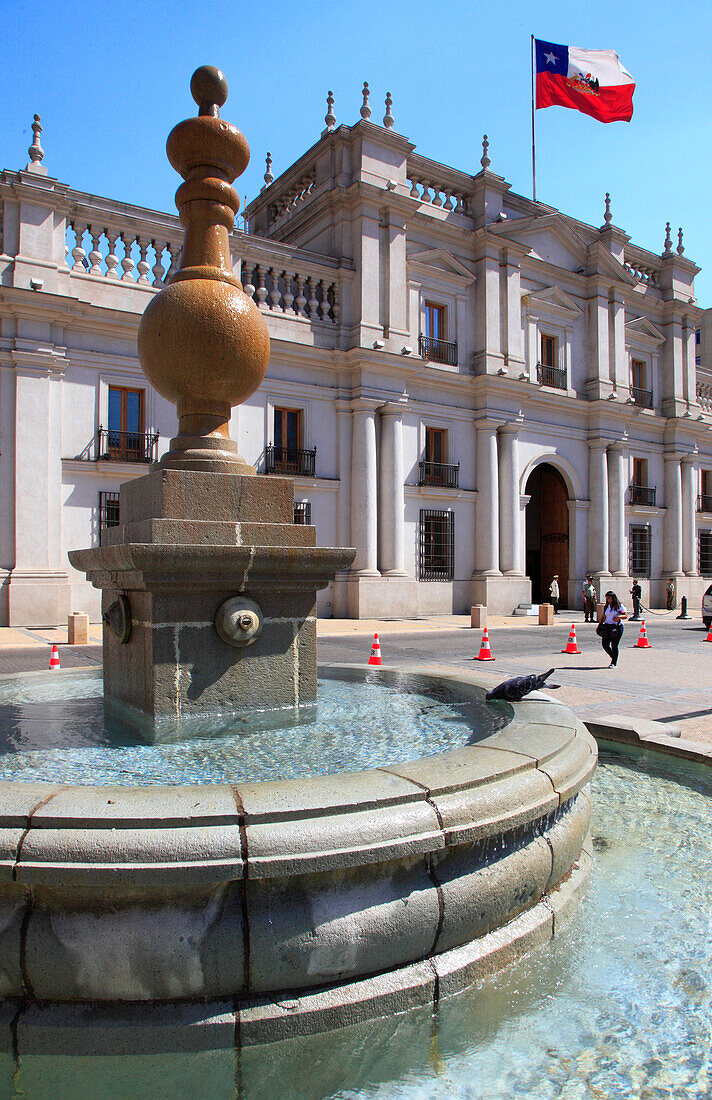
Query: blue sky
{"x": 111, "y": 79}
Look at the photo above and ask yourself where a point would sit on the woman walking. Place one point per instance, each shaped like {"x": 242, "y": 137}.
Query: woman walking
{"x": 610, "y": 626}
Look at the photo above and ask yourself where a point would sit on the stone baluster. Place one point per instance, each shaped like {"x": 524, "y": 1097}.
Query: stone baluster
{"x": 261, "y": 287}
{"x": 275, "y": 294}
{"x": 249, "y": 285}
{"x": 313, "y": 301}
{"x": 301, "y": 299}
{"x": 437, "y": 201}
{"x": 78, "y": 252}
{"x": 112, "y": 260}
{"x": 388, "y": 120}
{"x": 288, "y": 296}
{"x": 667, "y": 249}
{"x": 414, "y": 192}
{"x": 448, "y": 204}
{"x": 142, "y": 267}
{"x": 127, "y": 263}
{"x": 35, "y": 151}
{"x": 174, "y": 252}
{"x": 95, "y": 256}
{"x": 158, "y": 268}
{"x": 336, "y": 305}
{"x": 268, "y": 177}
{"x": 485, "y": 159}
{"x": 325, "y": 307}
{"x": 680, "y": 246}
{"x": 425, "y": 197}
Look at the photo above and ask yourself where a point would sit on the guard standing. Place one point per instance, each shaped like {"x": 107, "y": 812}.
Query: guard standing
{"x": 636, "y": 593}
{"x": 589, "y": 599}
{"x": 670, "y": 591}
{"x": 554, "y": 593}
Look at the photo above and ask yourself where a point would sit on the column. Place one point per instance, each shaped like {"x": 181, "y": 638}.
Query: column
{"x": 672, "y": 525}
{"x": 487, "y": 507}
{"x": 509, "y": 501}
{"x": 364, "y": 517}
{"x": 689, "y": 504}
{"x": 391, "y": 497}
{"x": 617, "y": 484}
{"x": 598, "y": 512}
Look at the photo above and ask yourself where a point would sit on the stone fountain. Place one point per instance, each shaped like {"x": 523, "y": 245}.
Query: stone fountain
{"x": 252, "y": 911}
{"x": 209, "y": 587}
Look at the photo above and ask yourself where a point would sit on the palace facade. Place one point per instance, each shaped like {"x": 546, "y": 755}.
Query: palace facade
{"x": 473, "y": 389}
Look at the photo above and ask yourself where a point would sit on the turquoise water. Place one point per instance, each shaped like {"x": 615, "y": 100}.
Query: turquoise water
{"x": 618, "y": 1006}
{"x": 353, "y": 726}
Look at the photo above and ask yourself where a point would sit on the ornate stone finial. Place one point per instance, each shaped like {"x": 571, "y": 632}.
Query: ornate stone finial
{"x": 269, "y": 178}
{"x": 680, "y": 245}
{"x": 35, "y": 151}
{"x": 388, "y": 120}
{"x": 365, "y": 109}
{"x": 485, "y": 160}
{"x": 608, "y": 217}
{"x": 667, "y": 251}
{"x": 203, "y": 344}
{"x": 330, "y": 117}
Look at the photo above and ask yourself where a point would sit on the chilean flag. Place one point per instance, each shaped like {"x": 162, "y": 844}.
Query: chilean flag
{"x": 592, "y": 81}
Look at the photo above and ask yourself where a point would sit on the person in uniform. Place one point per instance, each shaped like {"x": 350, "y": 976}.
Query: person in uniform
{"x": 636, "y": 593}
{"x": 588, "y": 592}
{"x": 670, "y": 592}
{"x": 554, "y": 593}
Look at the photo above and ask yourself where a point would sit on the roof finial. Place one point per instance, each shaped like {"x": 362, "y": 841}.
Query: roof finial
{"x": 388, "y": 120}
{"x": 36, "y": 152}
{"x": 485, "y": 160}
{"x": 269, "y": 178}
{"x": 608, "y": 217}
{"x": 330, "y": 117}
{"x": 365, "y": 109}
{"x": 668, "y": 241}
{"x": 680, "y": 245}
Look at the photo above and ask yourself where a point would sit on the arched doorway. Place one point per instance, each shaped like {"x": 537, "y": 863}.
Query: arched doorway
{"x": 547, "y": 531}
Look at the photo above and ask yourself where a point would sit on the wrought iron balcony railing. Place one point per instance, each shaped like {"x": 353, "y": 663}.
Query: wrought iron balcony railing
{"x": 644, "y": 398}
{"x": 551, "y": 376}
{"x": 437, "y": 351}
{"x": 440, "y": 474}
{"x": 642, "y": 494}
{"x": 294, "y": 461}
{"x": 113, "y": 446}
{"x": 704, "y": 503}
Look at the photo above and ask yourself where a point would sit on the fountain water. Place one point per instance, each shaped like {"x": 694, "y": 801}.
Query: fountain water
{"x": 289, "y": 905}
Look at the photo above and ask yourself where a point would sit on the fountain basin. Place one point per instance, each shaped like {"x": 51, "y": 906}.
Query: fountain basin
{"x": 314, "y": 901}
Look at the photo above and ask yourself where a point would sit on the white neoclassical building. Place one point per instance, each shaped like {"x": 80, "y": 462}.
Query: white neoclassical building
{"x": 473, "y": 389}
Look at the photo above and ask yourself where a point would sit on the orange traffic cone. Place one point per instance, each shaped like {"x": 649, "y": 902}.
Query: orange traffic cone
{"x": 572, "y": 644}
{"x": 709, "y": 635}
{"x": 375, "y": 658}
{"x": 54, "y": 657}
{"x": 642, "y": 642}
{"x": 485, "y": 653}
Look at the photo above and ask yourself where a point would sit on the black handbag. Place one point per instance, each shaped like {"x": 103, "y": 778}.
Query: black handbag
{"x": 601, "y": 629}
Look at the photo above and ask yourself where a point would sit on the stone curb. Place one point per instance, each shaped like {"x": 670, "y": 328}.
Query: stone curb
{"x": 644, "y": 733}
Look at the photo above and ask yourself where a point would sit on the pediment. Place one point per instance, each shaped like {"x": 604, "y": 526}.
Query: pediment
{"x": 603, "y": 262}
{"x": 442, "y": 262}
{"x": 641, "y": 327}
{"x": 543, "y": 231}
{"x": 554, "y": 300}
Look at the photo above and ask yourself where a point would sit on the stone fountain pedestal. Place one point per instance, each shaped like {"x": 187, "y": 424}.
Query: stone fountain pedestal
{"x": 190, "y": 544}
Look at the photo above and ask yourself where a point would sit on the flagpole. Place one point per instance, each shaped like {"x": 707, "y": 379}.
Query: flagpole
{"x": 533, "y": 131}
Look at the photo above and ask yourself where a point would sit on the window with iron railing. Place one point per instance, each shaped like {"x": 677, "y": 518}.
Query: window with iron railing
{"x": 704, "y": 553}
{"x": 642, "y": 397}
{"x": 294, "y": 461}
{"x": 551, "y": 376}
{"x": 437, "y": 351}
{"x": 441, "y": 475}
{"x": 643, "y": 494}
{"x": 704, "y": 503}
{"x": 302, "y": 512}
{"x": 119, "y": 446}
{"x": 108, "y": 510}
{"x": 639, "y": 550}
{"x": 437, "y": 545}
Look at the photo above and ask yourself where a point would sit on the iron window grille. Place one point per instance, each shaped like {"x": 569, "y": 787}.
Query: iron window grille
{"x": 439, "y": 474}
{"x": 295, "y": 461}
{"x": 302, "y": 512}
{"x": 704, "y": 553}
{"x": 704, "y": 503}
{"x": 437, "y": 351}
{"x": 643, "y": 494}
{"x": 116, "y": 446}
{"x": 108, "y": 511}
{"x": 640, "y": 547}
{"x": 437, "y": 545}
{"x": 644, "y": 398}
{"x": 551, "y": 376}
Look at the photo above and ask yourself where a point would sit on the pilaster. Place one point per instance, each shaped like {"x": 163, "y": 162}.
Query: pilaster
{"x": 391, "y": 499}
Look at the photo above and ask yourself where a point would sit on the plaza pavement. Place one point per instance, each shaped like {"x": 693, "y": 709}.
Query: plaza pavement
{"x": 670, "y": 682}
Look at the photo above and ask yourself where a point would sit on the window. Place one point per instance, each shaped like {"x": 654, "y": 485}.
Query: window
{"x": 434, "y": 469}
{"x": 548, "y": 373}
{"x": 640, "y": 491}
{"x": 437, "y": 545}
{"x": 125, "y": 439}
{"x": 705, "y": 502}
{"x": 288, "y": 429}
{"x": 548, "y": 351}
{"x": 637, "y": 370}
{"x": 432, "y": 344}
{"x": 698, "y": 336}
{"x": 640, "y": 471}
{"x": 302, "y": 512}
{"x": 435, "y": 445}
{"x": 639, "y": 389}
{"x": 108, "y": 511}
{"x": 704, "y": 553}
{"x": 286, "y": 455}
{"x": 640, "y": 550}
{"x": 434, "y": 321}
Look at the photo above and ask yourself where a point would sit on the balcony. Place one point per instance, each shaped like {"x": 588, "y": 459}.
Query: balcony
{"x": 440, "y": 475}
{"x": 437, "y": 351}
{"x": 644, "y": 398}
{"x": 113, "y": 446}
{"x": 294, "y": 461}
{"x": 643, "y": 494}
{"x": 551, "y": 376}
{"x": 704, "y": 503}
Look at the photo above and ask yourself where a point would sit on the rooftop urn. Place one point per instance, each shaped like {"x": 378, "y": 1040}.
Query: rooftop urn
{"x": 202, "y": 343}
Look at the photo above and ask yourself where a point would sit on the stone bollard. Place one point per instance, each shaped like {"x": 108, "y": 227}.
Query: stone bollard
{"x": 78, "y": 628}
{"x": 600, "y": 608}
{"x": 478, "y": 617}
{"x": 546, "y": 614}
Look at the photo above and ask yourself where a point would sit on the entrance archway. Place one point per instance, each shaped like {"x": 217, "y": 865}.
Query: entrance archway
{"x": 547, "y": 532}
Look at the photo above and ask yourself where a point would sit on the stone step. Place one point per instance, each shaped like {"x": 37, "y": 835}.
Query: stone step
{"x": 527, "y": 609}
